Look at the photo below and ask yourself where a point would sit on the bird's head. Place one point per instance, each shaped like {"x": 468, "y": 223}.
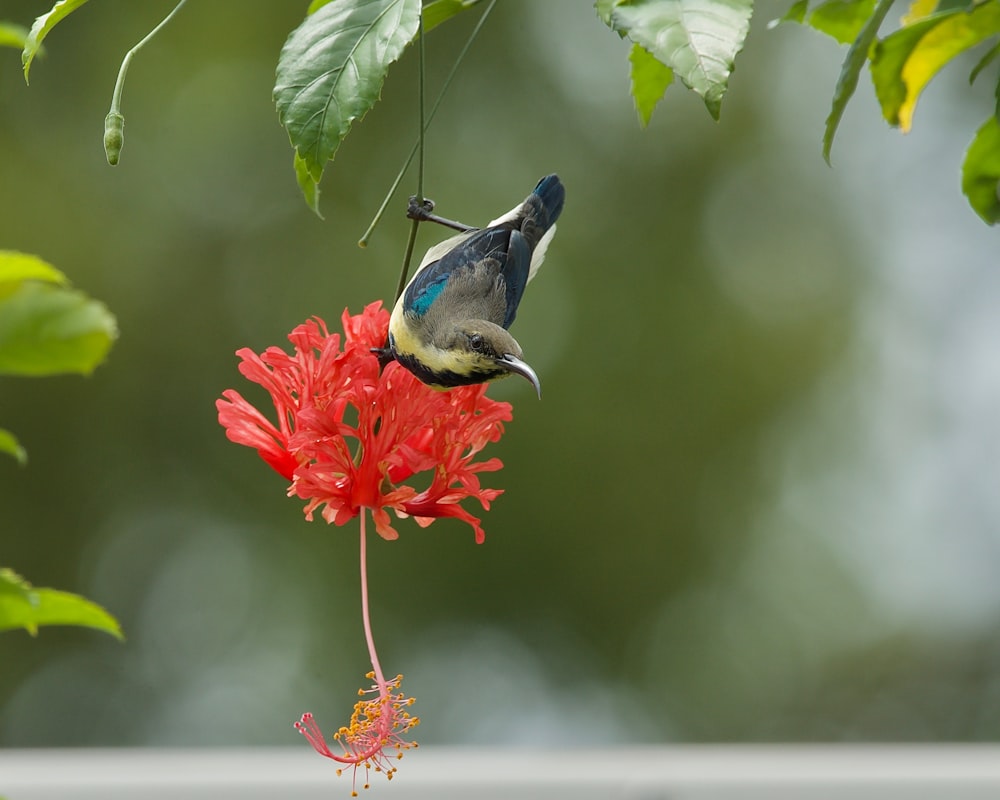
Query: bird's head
{"x": 480, "y": 347}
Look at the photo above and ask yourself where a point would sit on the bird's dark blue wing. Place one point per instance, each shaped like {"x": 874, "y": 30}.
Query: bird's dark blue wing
{"x": 424, "y": 289}
{"x": 515, "y": 271}
{"x": 486, "y": 253}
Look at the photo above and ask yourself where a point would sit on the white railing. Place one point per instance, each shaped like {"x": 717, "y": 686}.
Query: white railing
{"x": 920, "y": 772}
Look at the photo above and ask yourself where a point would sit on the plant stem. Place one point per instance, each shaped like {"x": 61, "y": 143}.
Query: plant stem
{"x": 415, "y": 224}
{"x": 363, "y": 242}
{"x": 114, "y": 122}
{"x": 365, "y": 615}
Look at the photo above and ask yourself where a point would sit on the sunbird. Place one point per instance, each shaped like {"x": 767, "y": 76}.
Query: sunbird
{"x": 449, "y": 326}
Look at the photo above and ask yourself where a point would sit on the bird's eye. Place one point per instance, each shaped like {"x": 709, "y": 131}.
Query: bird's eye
{"x": 476, "y": 342}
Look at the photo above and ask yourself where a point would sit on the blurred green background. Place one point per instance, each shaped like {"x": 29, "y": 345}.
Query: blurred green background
{"x": 758, "y": 500}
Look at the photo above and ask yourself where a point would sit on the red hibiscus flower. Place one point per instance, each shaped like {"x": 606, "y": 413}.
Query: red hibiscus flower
{"x": 350, "y": 436}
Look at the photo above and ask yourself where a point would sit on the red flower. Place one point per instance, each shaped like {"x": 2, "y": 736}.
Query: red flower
{"x": 351, "y": 436}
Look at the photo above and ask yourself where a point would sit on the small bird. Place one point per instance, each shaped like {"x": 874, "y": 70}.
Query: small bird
{"x": 449, "y": 326}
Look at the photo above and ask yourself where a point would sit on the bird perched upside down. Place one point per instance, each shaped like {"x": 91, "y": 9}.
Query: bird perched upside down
{"x": 449, "y": 327}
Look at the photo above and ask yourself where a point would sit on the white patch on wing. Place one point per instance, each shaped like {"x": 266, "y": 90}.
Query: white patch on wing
{"x": 538, "y": 256}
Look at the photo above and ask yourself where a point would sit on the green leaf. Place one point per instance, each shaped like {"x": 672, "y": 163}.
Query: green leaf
{"x": 888, "y": 62}
{"x": 47, "y": 329}
{"x": 905, "y": 61}
{"x": 23, "y": 606}
{"x": 697, "y": 39}
{"x": 984, "y": 62}
{"x": 796, "y": 13}
{"x": 947, "y": 5}
{"x": 16, "y": 267}
{"x": 841, "y": 19}
{"x": 331, "y": 69}
{"x": 10, "y": 445}
{"x": 981, "y": 171}
{"x": 41, "y": 28}
{"x": 12, "y": 35}
{"x": 439, "y": 11}
{"x": 847, "y": 82}
{"x": 308, "y": 184}
{"x": 650, "y": 80}
{"x": 604, "y": 9}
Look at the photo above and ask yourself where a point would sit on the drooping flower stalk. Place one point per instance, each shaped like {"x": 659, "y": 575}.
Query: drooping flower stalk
{"x": 378, "y": 723}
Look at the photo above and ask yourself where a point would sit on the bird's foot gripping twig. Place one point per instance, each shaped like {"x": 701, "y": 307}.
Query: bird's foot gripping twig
{"x": 422, "y": 213}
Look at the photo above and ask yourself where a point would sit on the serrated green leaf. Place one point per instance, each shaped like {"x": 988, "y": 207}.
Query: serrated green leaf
{"x": 41, "y": 28}
{"x": 905, "y": 61}
{"x": 984, "y": 62}
{"x": 23, "y": 606}
{"x": 331, "y": 69}
{"x": 981, "y": 171}
{"x": 650, "y": 80}
{"x": 308, "y": 185}
{"x": 46, "y": 330}
{"x": 847, "y": 81}
{"x": 315, "y": 6}
{"x": 16, "y": 267}
{"x": 697, "y": 39}
{"x": 440, "y": 11}
{"x": 12, "y": 35}
{"x": 11, "y": 446}
{"x": 841, "y": 19}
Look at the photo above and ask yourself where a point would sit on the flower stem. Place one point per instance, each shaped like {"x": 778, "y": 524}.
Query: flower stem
{"x": 425, "y": 124}
{"x": 365, "y": 615}
{"x": 114, "y": 122}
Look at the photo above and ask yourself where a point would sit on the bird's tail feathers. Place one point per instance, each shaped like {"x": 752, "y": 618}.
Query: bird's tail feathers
{"x": 541, "y": 208}
{"x": 547, "y": 201}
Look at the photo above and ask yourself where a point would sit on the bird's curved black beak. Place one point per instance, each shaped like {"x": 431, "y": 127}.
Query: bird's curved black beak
{"x": 514, "y": 364}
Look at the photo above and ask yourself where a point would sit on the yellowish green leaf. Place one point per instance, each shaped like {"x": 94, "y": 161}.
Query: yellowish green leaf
{"x": 12, "y": 447}
{"x": 307, "y": 183}
{"x": 24, "y": 606}
{"x": 41, "y": 28}
{"x": 16, "y": 267}
{"x": 905, "y": 61}
{"x": 918, "y": 10}
{"x": 12, "y": 35}
{"x": 48, "y": 330}
{"x": 439, "y": 11}
{"x": 650, "y": 79}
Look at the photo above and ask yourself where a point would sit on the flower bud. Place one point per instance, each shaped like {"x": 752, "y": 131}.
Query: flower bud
{"x": 114, "y": 136}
